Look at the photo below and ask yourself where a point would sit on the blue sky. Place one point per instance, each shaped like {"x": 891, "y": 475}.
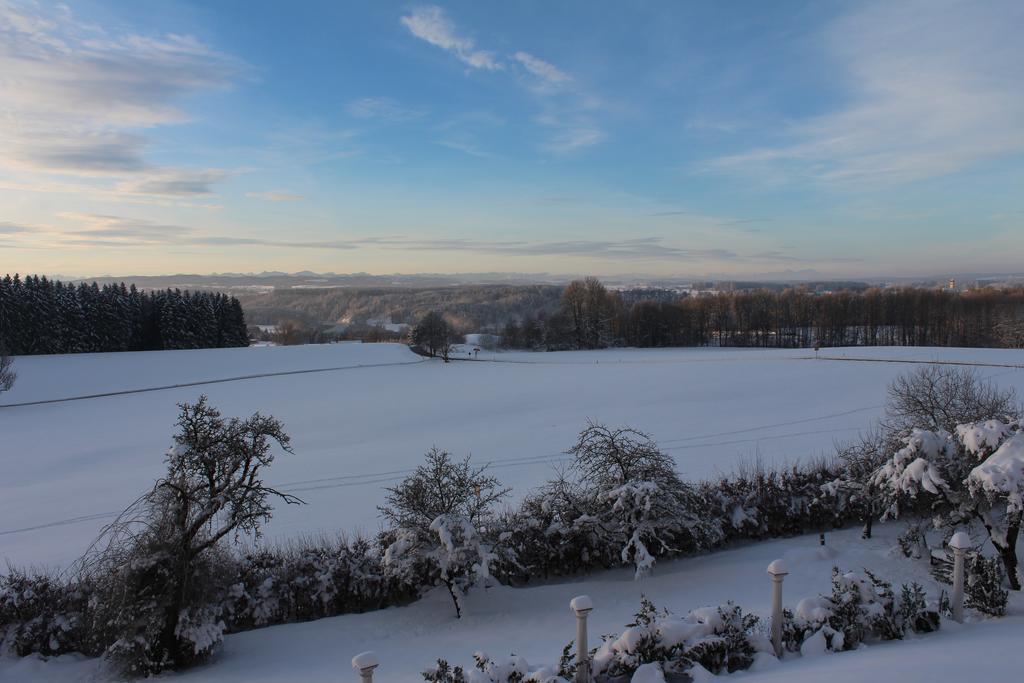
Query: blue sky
{"x": 733, "y": 139}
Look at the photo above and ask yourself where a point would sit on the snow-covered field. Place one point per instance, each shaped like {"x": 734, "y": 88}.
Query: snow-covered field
{"x": 361, "y": 417}
{"x": 368, "y": 418}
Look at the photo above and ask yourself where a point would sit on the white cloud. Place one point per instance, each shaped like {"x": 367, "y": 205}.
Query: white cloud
{"x": 429, "y": 23}
{"x": 549, "y": 74}
{"x": 76, "y": 99}
{"x": 932, "y": 88}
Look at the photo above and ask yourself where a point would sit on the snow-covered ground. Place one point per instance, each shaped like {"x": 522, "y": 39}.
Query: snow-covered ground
{"x": 535, "y": 622}
{"x": 366, "y": 420}
{"x": 361, "y": 417}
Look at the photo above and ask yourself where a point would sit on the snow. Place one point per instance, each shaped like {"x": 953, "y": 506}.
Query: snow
{"x": 533, "y": 624}
{"x": 581, "y": 603}
{"x": 960, "y": 541}
{"x": 365, "y": 660}
{"x": 983, "y": 436}
{"x": 778, "y": 567}
{"x": 68, "y": 467}
{"x": 1003, "y": 472}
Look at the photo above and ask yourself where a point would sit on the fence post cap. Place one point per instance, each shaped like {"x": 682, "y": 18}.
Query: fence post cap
{"x": 365, "y": 660}
{"x": 960, "y": 541}
{"x": 778, "y": 568}
{"x": 581, "y": 603}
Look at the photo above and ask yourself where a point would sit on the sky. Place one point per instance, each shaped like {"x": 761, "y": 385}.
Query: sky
{"x": 676, "y": 138}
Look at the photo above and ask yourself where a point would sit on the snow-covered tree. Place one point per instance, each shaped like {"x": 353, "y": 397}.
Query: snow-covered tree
{"x": 440, "y": 518}
{"x": 628, "y": 492}
{"x": 7, "y": 374}
{"x": 160, "y": 564}
{"x": 974, "y": 475}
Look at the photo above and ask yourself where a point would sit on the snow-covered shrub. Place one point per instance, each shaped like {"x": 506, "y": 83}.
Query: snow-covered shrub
{"x": 976, "y": 475}
{"x": 44, "y": 614}
{"x": 549, "y": 534}
{"x": 861, "y": 607}
{"x": 757, "y": 503}
{"x": 443, "y": 672}
{"x": 310, "y": 580}
{"x": 152, "y": 620}
{"x": 442, "y": 531}
{"x": 718, "y": 639}
{"x": 983, "y": 589}
{"x": 485, "y": 670}
{"x": 913, "y": 612}
{"x": 912, "y": 541}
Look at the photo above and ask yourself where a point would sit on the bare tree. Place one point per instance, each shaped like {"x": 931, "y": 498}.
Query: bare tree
{"x": 607, "y": 457}
{"x": 858, "y": 460}
{"x": 442, "y": 486}
{"x": 290, "y": 333}
{"x": 434, "y": 335}
{"x": 7, "y": 373}
{"x": 941, "y": 397}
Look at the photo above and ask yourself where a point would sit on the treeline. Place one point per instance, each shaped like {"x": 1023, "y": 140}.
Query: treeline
{"x": 40, "y": 316}
{"x": 591, "y": 316}
{"x": 468, "y": 307}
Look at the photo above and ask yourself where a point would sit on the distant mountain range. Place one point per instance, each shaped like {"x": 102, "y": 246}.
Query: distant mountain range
{"x": 268, "y": 280}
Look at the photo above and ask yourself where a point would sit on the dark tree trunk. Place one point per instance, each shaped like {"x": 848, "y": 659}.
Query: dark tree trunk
{"x": 868, "y": 521}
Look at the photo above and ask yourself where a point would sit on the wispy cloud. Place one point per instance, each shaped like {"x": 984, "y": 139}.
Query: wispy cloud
{"x": 932, "y": 88}
{"x": 8, "y": 228}
{"x": 276, "y": 196}
{"x": 381, "y": 109}
{"x": 662, "y": 214}
{"x": 83, "y": 231}
{"x": 175, "y": 183}
{"x": 77, "y": 98}
{"x": 429, "y": 23}
{"x": 568, "y": 128}
{"x": 569, "y": 133}
{"x": 550, "y": 75}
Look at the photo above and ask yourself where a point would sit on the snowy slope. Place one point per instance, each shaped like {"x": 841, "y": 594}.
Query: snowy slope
{"x": 67, "y": 467}
{"x": 535, "y": 622}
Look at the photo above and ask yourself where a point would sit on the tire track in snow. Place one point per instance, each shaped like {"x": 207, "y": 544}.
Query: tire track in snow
{"x": 914, "y": 361}
{"x": 239, "y": 378}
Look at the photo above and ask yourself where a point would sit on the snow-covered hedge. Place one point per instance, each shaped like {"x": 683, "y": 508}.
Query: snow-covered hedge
{"x": 553, "y": 532}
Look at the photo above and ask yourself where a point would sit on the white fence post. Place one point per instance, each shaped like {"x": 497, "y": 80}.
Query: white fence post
{"x": 777, "y": 570}
{"x": 581, "y": 606}
{"x": 365, "y": 663}
{"x": 959, "y": 543}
